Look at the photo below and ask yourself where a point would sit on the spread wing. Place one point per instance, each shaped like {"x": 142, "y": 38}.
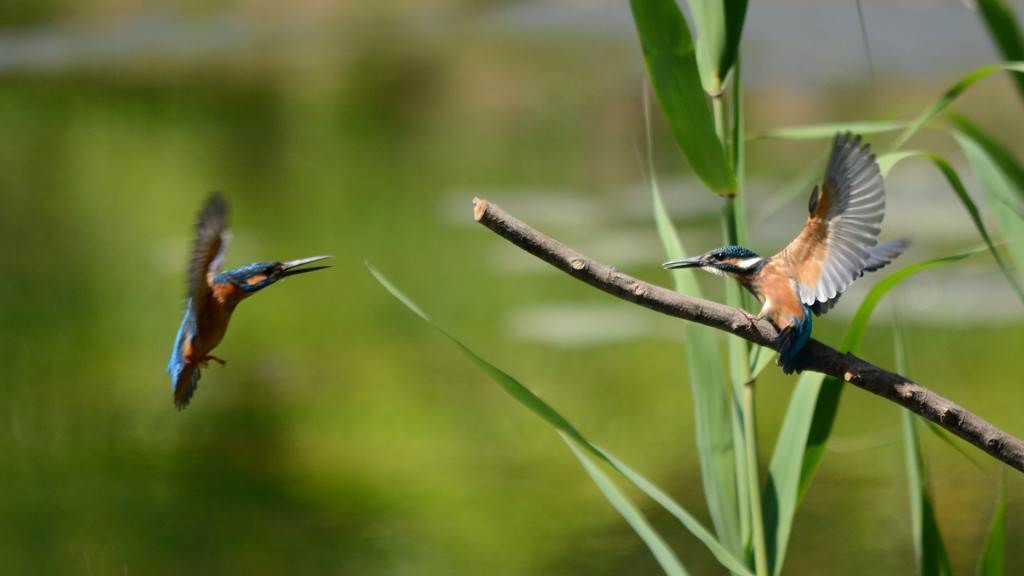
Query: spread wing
{"x": 208, "y": 255}
{"x": 184, "y": 376}
{"x": 840, "y": 241}
{"x": 186, "y": 385}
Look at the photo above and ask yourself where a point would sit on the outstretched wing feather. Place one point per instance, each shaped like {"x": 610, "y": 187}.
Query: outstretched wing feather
{"x": 208, "y": 254}
{"x": 840, "y": 241}
{"x": 185, "y": 385}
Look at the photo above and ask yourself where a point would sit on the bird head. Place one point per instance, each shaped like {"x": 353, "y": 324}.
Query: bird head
{"x": 259, "y": 275}
{"x": 732, "y": 261}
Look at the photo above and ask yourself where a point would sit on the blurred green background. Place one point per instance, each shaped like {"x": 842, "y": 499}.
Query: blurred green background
{"x": 344, "y": 436}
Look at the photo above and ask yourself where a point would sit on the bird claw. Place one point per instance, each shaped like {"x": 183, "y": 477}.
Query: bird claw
{"x": 750, "y": 317}
{"x": 205, "y": 361}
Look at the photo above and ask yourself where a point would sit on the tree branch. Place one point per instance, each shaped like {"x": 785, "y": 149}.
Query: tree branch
{"x": 821, "y": 358}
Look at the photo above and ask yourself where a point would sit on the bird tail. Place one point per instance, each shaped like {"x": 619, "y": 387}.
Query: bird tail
{"x": 879, "y": 256}
{"x": 791, "y": 341}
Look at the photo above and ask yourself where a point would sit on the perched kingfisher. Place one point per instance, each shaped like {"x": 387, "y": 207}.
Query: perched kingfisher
{"x": 837, "y": 246}
{"x": 213, "y": 295}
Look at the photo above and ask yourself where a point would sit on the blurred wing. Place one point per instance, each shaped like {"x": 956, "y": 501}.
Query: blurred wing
{"x": 186, "y": 331}
{"x": 184, "y": 375}
{"x": 837, "y": 245}
{"x": 185, "y": 385}
{"x": 208, "y": 254}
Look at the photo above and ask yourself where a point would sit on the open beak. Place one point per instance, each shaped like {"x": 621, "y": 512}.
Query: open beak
{"x": 292, "y": 268}
{"x": 695, "y": 262}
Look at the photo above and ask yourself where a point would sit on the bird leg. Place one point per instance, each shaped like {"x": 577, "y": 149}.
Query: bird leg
{"x": 205, "y": 361}
{"x": 750, "y": 317}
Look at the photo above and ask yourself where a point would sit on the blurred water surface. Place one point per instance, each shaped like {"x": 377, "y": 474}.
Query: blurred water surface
{"x": 344, "y": 436}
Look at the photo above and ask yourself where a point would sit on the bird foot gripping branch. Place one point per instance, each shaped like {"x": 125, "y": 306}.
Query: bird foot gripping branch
{"x": 213, "y": 296}
{"x": 838, "y": 244}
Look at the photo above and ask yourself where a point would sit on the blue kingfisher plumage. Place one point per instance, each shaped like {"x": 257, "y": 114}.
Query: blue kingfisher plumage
{"x": 213, "y": 296}
{"x": 838, "y": 245}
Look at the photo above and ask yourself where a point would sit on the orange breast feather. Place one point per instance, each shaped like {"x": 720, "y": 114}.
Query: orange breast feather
{"x": 775, "y": 289}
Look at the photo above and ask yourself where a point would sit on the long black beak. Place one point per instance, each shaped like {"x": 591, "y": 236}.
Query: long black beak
{"x": 292, "y": 268}
{"x": 695, "y": 262}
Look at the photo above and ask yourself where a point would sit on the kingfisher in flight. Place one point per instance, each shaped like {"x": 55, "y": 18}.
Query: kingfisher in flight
{"x": 213, "y": 295}
{"x": 838, "y": 244}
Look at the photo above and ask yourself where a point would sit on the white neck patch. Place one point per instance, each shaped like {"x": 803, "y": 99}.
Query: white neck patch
{"x": 748, "y": 263}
